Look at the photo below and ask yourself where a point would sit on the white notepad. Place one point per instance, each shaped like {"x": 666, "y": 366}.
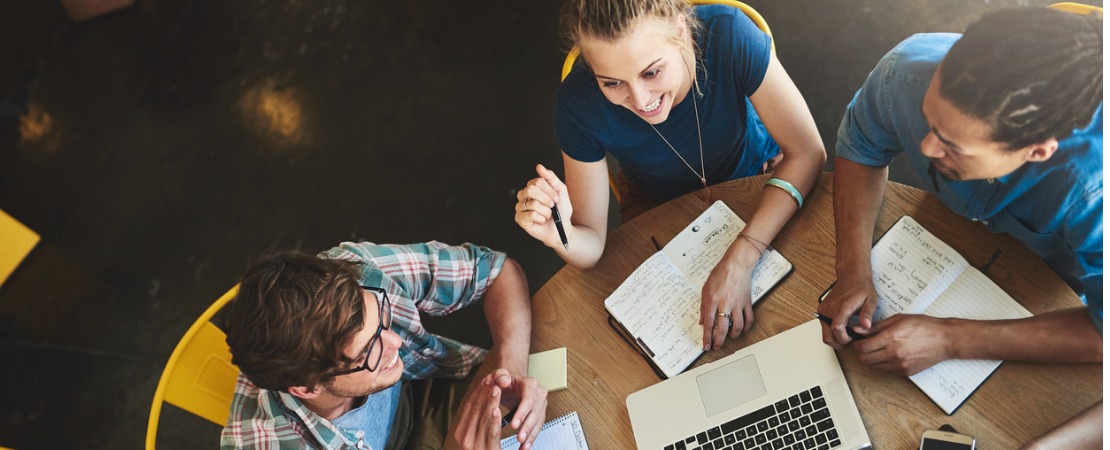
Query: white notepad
{"x": 660, "y": 303}
{"x": 917, "y": 273}
{"x": 563, "y": 433}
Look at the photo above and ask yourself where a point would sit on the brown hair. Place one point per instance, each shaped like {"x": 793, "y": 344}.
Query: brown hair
{"x": 293, "y": 318}
{"x": 609, "y": 20}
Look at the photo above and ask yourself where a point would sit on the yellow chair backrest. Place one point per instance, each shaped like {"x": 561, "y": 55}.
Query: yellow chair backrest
{"x": 199, "y": 376}
{"x": 1077, "y": 8}
{"x": 16, "y": 242}
{"x": 572, "y": 56}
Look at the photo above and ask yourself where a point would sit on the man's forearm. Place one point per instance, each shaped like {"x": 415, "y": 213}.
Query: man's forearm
{"x": 1062, "y": 336}
{"x": 857, "y": 196}
{"x": 1084, "y": 431}
{"x": 509, "y": 313}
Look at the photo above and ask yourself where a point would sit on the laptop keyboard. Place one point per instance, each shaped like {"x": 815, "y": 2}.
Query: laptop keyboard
{"x": 800, "y": 421}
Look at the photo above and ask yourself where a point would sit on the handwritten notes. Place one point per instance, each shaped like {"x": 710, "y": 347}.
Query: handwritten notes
{"x": 917, "y": 273}
{"x": 911, "y": 268}
{"x": 563, "y": 433}
{"x": 659, "y": 304}
{"x": 661, "y": 309}
{"x": 702, "y": 244}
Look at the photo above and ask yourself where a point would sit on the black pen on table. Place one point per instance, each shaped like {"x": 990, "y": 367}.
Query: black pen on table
{"x": 851, "y": 333}
{"x": 559, "y": 226}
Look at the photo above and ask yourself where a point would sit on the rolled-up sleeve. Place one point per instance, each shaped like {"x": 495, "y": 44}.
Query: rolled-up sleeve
{"x": 867, "y": 133}
{"x": 884, "y": 119}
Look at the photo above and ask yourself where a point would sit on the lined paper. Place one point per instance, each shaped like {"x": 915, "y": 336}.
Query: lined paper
{"x": 974, "y": 296}
{"x": 660, "y": 302}
{"x": 661, "y": 307}
{"x": 563, "y": 433}
{"x": 917, "y": 273}
{"x": 911, "y": 268}
{"x": 971, "y": 296}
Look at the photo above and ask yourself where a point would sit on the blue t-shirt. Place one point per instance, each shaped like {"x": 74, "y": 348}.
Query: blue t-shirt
{"x": 734, "y": 54}
{"x": 1053, "y": 207}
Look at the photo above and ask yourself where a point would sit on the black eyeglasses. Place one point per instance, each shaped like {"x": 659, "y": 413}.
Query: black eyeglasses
{"x": 374, "y": 348}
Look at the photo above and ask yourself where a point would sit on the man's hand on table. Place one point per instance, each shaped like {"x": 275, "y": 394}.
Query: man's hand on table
{"x": 847, "y": 297}
{"x": 526, "y": 400}
{"x": 479, "y": 424}
{"x": 905, "y": 344}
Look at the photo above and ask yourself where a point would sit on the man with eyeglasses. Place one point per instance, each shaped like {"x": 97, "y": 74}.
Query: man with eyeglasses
{"x": 333, "y": 354}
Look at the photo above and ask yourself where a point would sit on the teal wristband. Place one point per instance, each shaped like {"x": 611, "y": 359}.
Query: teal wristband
{"x": 786, "y": 186}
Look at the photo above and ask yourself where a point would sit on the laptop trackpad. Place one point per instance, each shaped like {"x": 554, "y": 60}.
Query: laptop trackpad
{"x": 730, "y": 385}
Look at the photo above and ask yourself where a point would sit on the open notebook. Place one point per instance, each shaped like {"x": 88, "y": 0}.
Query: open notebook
{"x": 917, "y": 273}
{"x": 563, "y": 433}
{"x": 659, "y": 305}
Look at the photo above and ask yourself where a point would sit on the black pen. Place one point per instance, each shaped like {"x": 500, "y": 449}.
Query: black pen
{"x": 990, "y": 262}
{"x": 559, "y": 226}
{"x": 507, "y": 417}
{"x": 851, "y": 333}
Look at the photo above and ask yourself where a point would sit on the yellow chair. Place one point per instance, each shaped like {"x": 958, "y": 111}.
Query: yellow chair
{"x": 199, "y": 376}
{"x": 16, "y": 242}
{"x": 1077, "y": 8}
{"x": 572, "y": 55}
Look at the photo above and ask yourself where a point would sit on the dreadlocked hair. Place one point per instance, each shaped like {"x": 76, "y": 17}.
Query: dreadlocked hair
{"x": 1031, "y": 73}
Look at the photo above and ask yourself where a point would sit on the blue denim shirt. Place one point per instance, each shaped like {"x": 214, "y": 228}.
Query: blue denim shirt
{"x": 1054, "y": 207}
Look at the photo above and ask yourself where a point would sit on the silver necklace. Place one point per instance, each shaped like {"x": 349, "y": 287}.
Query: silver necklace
{"x": 701, "y": 151}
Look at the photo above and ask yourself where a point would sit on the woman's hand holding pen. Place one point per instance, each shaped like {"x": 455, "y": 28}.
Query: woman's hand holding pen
{"x": 534, "y": 207}
{"x": 726, "y": 300}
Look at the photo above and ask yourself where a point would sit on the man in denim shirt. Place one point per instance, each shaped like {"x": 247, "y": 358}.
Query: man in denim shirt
{"x": 1004, "y": 125}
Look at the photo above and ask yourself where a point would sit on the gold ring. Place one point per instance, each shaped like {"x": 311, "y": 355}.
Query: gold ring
{"x": 723, "y": 315}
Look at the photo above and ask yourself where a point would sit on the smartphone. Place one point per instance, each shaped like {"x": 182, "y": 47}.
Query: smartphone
{"x": 944, "y": 440}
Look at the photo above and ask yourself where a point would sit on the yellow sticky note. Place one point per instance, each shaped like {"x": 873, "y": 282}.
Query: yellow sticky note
{"x": 549, "y": 368}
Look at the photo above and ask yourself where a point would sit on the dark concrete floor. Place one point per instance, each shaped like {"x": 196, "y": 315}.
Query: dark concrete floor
{"x": 171, "y": 142}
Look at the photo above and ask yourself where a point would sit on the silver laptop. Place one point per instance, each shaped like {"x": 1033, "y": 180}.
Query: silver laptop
{"x": 785, "y": 392}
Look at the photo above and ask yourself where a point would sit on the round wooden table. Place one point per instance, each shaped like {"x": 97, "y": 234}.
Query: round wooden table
{"x": 1018, "y": 402}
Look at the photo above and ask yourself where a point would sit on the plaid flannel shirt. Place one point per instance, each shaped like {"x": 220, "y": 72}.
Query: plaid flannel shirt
{"x": 433, "y": 278}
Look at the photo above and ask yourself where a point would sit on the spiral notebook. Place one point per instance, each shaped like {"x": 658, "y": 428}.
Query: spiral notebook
{"x": 563, "y": 433}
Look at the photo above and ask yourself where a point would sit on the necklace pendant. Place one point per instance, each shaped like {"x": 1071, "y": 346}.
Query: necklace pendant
{"x": 701, "y": 149}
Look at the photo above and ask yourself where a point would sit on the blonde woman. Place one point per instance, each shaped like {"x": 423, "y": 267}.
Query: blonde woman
{"x": 683, "y": 97}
